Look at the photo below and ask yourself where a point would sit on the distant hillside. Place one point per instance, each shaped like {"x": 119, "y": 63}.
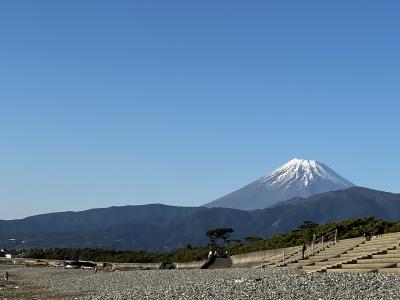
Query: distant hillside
{"x": 159, "y": 227}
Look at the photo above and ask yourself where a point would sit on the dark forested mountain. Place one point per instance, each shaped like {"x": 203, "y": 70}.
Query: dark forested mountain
{"x": 159, "y": 227}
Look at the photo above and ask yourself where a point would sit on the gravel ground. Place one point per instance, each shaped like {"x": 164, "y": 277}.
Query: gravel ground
{"x": 57, "y": 283}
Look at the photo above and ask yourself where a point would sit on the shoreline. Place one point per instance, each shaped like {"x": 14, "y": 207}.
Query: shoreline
{"x": 220, "y": 284}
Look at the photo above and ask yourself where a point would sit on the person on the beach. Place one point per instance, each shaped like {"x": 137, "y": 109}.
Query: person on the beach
{"x": 6, "y": 276}
{"x": 303, "y": 250}
{"x": 367, "y": 235}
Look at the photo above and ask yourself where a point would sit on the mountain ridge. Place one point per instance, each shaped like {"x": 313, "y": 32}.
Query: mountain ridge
{"x": 157, "y": 227}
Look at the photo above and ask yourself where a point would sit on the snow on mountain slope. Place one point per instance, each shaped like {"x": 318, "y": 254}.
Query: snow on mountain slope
{"x": 301, "y": 173}
{"x": 296, "y": 178}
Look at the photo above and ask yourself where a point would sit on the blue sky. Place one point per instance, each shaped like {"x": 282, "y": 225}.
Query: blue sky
{"x": 129, "y": 102}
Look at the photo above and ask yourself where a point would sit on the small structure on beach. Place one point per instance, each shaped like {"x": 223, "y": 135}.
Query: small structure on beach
{"x": 79, "y": 264}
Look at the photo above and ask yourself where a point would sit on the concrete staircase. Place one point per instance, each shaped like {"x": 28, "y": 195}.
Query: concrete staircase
{"x": 293, "y": 256}
{"x": 380, "y": 254}
{"x": 283, "y": 258}
{"x": 331, "y": 251}
{"x": 391, "y": 256}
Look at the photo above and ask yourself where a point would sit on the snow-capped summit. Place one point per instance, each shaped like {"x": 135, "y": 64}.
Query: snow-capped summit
{"x": 296, "y": 178}
{"x": 301, "y": 173}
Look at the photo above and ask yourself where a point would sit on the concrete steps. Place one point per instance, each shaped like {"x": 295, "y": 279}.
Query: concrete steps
{"x": 371, "y": 249}
{"x": 388, "y": 254}
{"x": 330, "y": 249}
{"x": 381, "y": 254}
{"x": 359, "y": 255}
{"x": 363, "y": 268}
{"x": 383, "y": 259}
{"x": 333, "y": 251}
{"x": 334, "y": 263}
{"x": 291, "y": 255}
{"x": 300, "y": 264}
{"x": 325, "y": 255}
{"x": 374, "y": 266}
{"x": 289, "y": 260}
{"x": 394, "y": 251}
{"x": 389, "y": 270}
{"x": 350, "y": 270}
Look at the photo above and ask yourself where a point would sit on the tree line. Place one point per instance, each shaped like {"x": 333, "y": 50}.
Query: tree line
{"x": 221, "y": 238}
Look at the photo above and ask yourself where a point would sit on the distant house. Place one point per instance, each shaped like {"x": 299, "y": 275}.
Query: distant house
{"x": 9, "y": 256}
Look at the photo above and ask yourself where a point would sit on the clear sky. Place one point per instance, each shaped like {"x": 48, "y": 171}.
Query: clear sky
{"x": 129, "y": 102}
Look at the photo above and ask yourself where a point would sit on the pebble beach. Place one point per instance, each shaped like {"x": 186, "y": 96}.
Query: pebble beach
{"x": 240, "y": 283}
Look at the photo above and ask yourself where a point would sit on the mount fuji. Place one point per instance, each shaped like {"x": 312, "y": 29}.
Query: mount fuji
{"x": 297, "y": 178}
